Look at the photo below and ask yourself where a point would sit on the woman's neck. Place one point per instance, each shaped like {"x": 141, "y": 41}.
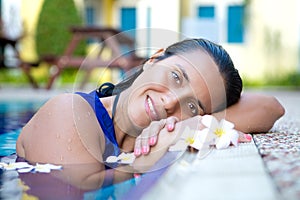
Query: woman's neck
{"x": 124, "y": 140}
{"x": 126, "y": 132}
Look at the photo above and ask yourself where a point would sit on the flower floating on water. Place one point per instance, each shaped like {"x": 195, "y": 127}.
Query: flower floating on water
{"x": 24, "y": 167}
{"x": 46, "y": 168}
{"x": 123, "y": 158}
{"x": 222, "y": 132}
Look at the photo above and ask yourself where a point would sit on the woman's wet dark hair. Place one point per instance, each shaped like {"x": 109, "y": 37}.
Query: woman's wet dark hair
{"x": 232, "y": 79}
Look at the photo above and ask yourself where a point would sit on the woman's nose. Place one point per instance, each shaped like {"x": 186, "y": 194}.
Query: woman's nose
{"x": 170, "y": 102}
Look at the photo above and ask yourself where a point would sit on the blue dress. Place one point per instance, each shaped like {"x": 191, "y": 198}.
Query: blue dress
{"x": 105, "y": 122}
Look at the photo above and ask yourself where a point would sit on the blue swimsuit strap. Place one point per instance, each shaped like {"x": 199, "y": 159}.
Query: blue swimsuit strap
{"x": 106, "y": 123}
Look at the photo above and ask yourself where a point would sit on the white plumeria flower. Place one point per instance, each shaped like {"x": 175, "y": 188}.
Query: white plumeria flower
{"x": 185, "y": 140}
{"x": 123, "y": 158}
{"x": 46, "y": 168}
{"x": 112, "y": 159}
{"x": 15, "y": 166}
{"x": 193, "y": 138}
{"x": 24, "y": 167}
{"x": 222, "y": 133}
{"x": 201, "y": 140}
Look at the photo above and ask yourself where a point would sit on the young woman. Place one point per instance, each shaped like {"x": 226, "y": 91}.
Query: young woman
{"x": 183, "y": 82}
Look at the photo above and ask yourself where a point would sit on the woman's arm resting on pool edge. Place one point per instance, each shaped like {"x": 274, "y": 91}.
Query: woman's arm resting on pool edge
{"x": 253, "y": 113}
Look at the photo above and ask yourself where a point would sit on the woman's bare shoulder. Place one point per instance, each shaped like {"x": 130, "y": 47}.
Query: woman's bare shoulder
{"x": 64, "y": 125}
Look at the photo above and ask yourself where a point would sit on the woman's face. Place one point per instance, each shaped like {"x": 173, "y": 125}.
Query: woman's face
{"x": 181, "y": 85}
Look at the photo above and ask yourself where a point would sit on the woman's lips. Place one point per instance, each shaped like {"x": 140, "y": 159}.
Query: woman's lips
{"x": 150, "y": 109}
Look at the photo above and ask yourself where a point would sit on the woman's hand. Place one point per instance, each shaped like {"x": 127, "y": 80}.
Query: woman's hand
{"x": 244, "y": 137}
{"x": 149, "y": 135}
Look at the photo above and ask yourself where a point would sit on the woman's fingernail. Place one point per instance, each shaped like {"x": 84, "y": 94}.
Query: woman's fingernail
{"x": 145, "y": 149}
{"x": 152, "y": 140}
{"x": 248, "y": 136}
{"x": 137, "y": 152}
{"x": 170, "y": 127}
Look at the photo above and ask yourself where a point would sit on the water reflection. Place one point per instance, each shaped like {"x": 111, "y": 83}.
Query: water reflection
{"x": 87, "y": 181}
{"x": 15, "y": 114}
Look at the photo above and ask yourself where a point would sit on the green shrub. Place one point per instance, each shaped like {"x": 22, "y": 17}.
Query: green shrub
{"x": 55, "y": 20}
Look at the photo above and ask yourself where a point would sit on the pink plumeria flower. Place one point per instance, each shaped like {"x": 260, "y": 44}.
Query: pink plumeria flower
{"x": 221, "y": 133}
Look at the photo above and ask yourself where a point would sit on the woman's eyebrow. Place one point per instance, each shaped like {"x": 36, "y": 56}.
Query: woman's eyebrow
{"x": 185, "y": 75}
{"x": 183, "y": 72}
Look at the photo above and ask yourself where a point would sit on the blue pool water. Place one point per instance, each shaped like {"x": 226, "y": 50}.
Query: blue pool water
{"x": 13, "y": 116}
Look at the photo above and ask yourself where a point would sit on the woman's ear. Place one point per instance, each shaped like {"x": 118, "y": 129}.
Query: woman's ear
{"x": 151, "y": 60}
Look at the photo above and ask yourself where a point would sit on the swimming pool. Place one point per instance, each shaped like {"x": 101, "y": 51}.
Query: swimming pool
{"x": 56, "y": 185}
{"x": 13, "y": 115}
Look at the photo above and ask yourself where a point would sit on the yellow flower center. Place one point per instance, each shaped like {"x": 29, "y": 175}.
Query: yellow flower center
{"x": 219, "y": 132}
{"x": 126, "y": 158}
{"x": 190, "y": 140}
{"x": 39, "y": 167}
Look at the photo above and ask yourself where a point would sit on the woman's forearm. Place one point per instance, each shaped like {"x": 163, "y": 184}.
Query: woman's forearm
{"x": 253, "y": 113}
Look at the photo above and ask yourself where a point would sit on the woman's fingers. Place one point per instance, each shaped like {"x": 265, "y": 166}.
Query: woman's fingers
{"x": 148, "y": 137}
{"x": 138, "y": 147}
{"x": 243, "y": 137}
{"x": 153, "y": 140}
{"x": 141, "y": 145}
{"x": 170, "y": 123}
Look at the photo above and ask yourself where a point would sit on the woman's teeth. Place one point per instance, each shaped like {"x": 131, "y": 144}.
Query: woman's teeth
{"x": 151, "y": 106}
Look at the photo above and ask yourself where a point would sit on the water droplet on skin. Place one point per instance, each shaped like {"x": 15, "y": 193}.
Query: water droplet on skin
{"x": 57, "y": 135}
{"x": 78, "y": 118}
{"x": 89, "y": 114}
{"x": 49, "y": 113}
{"x": 61, "y": 157}
{"x": 69, "y": 140}
{"x": 69, "y": 148}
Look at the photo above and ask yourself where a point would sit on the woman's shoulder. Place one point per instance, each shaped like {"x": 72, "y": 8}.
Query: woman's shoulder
{"x": 65, "y": 101}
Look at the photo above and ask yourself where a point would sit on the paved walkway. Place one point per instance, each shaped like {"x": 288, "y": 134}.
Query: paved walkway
{"x": 280, "y": 149}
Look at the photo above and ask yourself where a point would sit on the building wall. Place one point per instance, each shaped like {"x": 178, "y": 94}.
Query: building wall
{"x": 159, "y": 24}
{"x": 30, "y": 10}
{"x": 271, "y": 35}
{"x": 272, "y": 41}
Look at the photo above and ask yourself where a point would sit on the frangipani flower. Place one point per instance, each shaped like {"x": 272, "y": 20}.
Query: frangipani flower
{"x": 15, "y": 166}
{"x": 222, "y": 132}
{"x": 193, "y": 138}
{"x": 24, "y": 167}
{"x": 46, "y": 168}
{"x": 123, "y": 158}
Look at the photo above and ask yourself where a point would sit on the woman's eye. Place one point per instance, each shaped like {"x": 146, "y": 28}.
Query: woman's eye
{"x": 193, "y": 108}
{"x": 176, "y": 77}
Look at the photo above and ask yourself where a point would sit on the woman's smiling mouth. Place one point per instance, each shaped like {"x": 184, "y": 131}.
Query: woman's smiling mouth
{"x": 150, "y": 109}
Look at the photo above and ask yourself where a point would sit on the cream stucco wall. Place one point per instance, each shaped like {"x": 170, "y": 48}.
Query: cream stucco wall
{"x": 272, "y": 31}
{"x": 271, "y": 42}
{"x": 30, "y": 10}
